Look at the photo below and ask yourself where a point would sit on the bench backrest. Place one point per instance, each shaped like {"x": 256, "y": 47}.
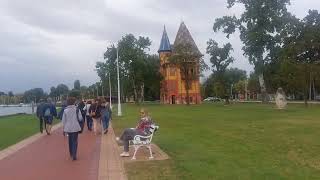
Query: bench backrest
{"x": 139, "y": 139}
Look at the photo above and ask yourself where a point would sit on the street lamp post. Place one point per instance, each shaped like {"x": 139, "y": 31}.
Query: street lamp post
{"x": 110, "y": 92}
{"x": 119, "y": 103}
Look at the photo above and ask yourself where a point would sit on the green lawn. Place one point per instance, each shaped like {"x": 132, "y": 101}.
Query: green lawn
{"x": 16, "y": 128}
{"x": 241, "y": 141}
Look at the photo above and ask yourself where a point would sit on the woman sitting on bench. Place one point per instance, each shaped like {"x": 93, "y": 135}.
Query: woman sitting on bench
{"x": 141, "y": 129}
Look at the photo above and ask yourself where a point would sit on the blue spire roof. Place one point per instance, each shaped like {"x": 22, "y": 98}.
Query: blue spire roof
{"x": 165, "y": 43}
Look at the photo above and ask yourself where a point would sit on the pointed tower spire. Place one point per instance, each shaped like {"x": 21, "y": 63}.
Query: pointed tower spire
{"x": 184, "y": 37}
{"x": 165, "y": 45}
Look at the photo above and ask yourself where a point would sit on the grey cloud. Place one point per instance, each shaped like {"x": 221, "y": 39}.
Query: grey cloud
{"x": 46, "y": 42}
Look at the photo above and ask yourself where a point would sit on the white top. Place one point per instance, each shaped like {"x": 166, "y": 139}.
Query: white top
{"x": 70, "y": 120}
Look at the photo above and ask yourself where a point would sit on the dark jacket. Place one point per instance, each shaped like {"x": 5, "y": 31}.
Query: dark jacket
{"x": 52, "y": 107}
{"x": 97, "y": 109}
{"x": 40, "y": 110}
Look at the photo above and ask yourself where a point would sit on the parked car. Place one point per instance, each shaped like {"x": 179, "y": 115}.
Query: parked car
{"x": 212, "y": 99}
{"x": 317, "y": 98}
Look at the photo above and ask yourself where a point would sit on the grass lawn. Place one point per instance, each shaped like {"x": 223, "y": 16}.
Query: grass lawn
{"x": 16, "y": 128}
{"x": 241, "y": 141}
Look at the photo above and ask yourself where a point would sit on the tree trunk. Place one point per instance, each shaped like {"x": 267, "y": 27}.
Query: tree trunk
{"x": 135, "y": 91}
{"x": 306, "y": 85}
{"x": 142, "y": 92}
{"x": 305, "y": 98}
{"x": 263, "y": 88}
{"x": 310, "y": 87}
{"x": 188, "y": 98}
{"x": 227, "y": 100}
{"x": 314, "y": 90}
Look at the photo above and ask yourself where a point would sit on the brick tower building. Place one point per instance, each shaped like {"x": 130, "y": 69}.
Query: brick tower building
{"x": 173, "y": 89}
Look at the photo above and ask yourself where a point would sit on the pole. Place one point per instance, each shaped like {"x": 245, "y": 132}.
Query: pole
{"x": 310, "y": 90}
{"x": 119, "y": 103}
{"x": 246, "y": 90}
{"x": 110, "y": 91}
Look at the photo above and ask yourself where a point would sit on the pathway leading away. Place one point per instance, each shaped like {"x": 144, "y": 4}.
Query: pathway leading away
{"x": 48, "y": 158}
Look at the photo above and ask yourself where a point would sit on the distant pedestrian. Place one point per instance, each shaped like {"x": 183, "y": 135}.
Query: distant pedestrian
{"x": 105, "y": 116}
{"x": 95, "y": 112}
{"x": 49, "y": 111}
{"x": 63, "y": 106}
{"x": 88, "y": 117}
{"x": 40, "y": 114}
{"x": 70, "y": 120}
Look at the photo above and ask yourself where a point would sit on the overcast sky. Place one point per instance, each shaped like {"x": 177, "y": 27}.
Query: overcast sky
{"x": 44, "y": 43}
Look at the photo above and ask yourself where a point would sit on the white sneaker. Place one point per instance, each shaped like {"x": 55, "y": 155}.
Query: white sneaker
{"x": 125, "y": 154}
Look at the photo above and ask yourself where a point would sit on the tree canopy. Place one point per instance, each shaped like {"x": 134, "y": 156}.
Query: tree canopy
{"x": 260, "y": 27}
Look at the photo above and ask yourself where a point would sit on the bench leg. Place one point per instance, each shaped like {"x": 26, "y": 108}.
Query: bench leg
{"x": 135, "y": 152}
{"x": 150, "y": 150}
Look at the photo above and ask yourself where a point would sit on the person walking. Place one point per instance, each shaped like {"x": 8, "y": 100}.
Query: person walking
{"x": 105, "y": 116}
{"x": 70, "y": 120}
{"x": 88, "y": 117}
{"x": 40, "y": 115}
{"x": 95, "y": 112}
{"x": 49, "y": 111}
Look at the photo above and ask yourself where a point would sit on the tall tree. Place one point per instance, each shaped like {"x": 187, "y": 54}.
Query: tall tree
{"x": 260, "y": 27}
{"x": 220, "y": 59}
{"x": 53, "y": 92}
{"x": 34, "y": 95}
{"x": 302, "y": 48}
{"x": 76, "y": 85}
{"x": 62, "y": 90}
{"x": 135, "y": 67}
{"x": 132, "y": 55}
{"x": 10, "y": 94}
{"x": 152, "y": 78}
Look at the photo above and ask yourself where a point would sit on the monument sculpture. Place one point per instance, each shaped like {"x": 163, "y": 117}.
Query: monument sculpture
{"x": 281, "y": 100}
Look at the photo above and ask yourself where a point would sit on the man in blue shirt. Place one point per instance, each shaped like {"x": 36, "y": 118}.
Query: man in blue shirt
{"x": 49, "y": 111}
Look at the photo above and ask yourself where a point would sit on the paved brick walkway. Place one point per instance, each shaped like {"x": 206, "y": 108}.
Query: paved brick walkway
{"x": 111, "y": 165}
{"x": 48, "y": 159}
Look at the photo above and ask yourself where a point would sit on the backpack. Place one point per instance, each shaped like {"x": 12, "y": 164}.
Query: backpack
{"x": 47, "y": 112}
{"x": 81, "y": 123}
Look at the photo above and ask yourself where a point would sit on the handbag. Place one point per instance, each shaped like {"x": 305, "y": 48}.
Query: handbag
{"x": 92, "y": 114}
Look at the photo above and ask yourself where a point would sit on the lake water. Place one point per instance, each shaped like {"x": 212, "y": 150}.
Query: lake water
{"x": 15, "y": 110}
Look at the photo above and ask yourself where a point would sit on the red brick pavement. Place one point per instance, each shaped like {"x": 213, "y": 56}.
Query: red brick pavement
{"x": 48, "y": 159}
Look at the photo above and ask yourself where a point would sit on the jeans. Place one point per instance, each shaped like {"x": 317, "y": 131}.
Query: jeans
{"x": 89, "y": 122}
{"x": 48, "y": 119}
{"x": 127, "y": 135}
{"x": 96, "y": 125}
{"x": 73, "y": 144}
{"x": 105, "y": 122}
{"x": 41, "y": 124}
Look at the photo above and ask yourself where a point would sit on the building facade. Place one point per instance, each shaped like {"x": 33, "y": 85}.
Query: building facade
{"x": 173, "y": 89}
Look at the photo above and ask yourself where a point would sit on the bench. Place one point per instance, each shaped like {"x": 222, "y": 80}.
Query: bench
{"x": 139, "y": 141}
